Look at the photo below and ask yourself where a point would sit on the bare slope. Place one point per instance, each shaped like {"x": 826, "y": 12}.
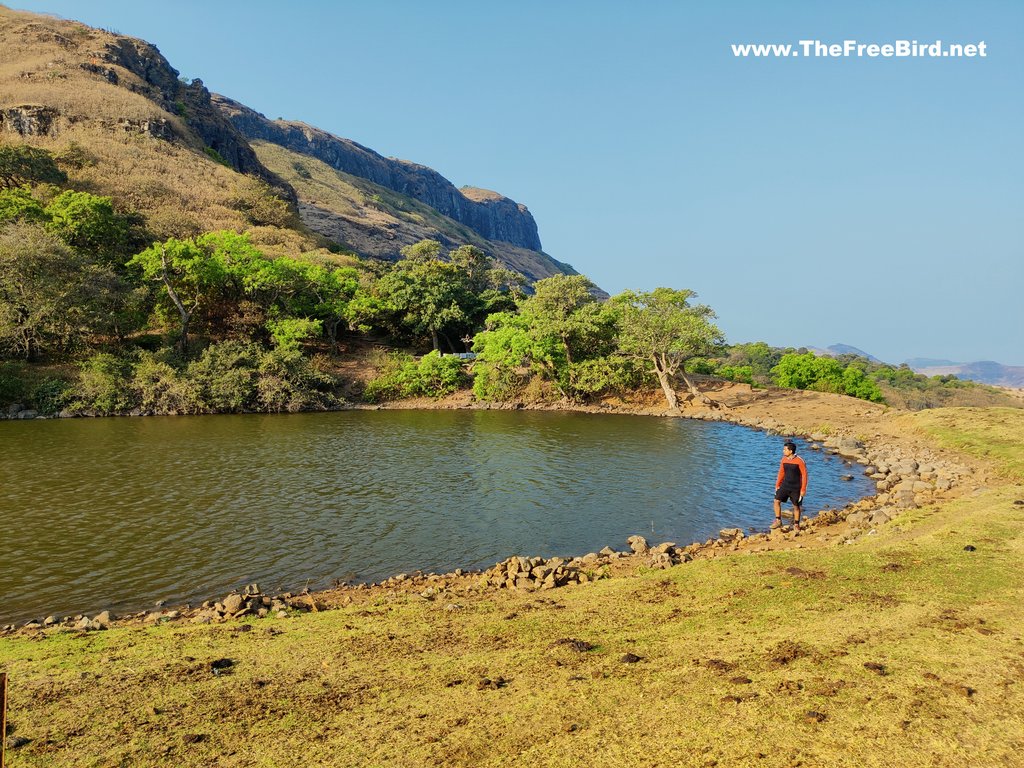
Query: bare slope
{"x": 376, "y": 221}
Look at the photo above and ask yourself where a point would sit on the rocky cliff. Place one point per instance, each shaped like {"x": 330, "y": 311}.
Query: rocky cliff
{"x": 492, "y": 216}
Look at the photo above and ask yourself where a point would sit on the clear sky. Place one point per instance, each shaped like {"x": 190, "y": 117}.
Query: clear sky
{"x": 877, "y": 202}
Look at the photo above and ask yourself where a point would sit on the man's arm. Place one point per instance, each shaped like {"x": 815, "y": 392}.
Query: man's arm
{"x": 803, "y": 477}
{"x": 782, "y": 474}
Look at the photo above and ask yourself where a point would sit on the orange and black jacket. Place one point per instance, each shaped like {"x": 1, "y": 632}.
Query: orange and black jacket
{"x": 792, "y": 474}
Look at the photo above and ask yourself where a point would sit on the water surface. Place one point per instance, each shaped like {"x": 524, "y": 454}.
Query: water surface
{"x": 120, "y": 513}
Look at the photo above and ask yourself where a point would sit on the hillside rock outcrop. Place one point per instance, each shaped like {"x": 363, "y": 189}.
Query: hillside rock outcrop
{"x": 487, "y": 213}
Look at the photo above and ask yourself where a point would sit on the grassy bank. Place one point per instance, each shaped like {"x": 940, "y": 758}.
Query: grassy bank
{"x": 900, "y": 648}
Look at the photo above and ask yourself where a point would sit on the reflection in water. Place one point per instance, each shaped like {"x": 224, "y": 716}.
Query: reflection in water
{"x": 120, "y": 513}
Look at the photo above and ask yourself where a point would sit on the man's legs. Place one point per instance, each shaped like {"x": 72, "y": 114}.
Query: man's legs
{"x": 778, "y": 514}
{"x": 797, "y": 511}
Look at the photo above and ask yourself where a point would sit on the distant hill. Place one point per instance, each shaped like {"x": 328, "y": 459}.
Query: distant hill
{"x": 985, "y": 371}
{"x": 835, "y": 350}
{"x": 189, "y": 161}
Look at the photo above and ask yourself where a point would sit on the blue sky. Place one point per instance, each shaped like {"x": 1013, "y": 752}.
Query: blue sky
{"x": 872, "y": 202}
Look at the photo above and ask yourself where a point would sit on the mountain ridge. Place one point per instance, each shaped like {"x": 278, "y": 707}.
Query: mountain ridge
{"x": 161, "y": 145}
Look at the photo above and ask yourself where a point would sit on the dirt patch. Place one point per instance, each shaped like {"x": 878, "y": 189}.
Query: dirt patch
{"x": 788, "y": 651}
{"x": 582, "y": 646}
{"x": 800, "y": 573}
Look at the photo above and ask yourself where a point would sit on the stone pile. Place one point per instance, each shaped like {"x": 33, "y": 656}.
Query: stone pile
{"x": 535, "y": 573}
{"x": 251, "y": 602}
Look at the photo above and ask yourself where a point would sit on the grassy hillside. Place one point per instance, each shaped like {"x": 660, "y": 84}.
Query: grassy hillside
{"x": 900, "y": 648}
{"x": 376, "y": 221}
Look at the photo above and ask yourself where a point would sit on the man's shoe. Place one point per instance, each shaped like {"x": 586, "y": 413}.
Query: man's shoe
{"x": 776, "y": 524}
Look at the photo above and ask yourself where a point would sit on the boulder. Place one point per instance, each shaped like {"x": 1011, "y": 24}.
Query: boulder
{"x": 638, "y": 544}
{"x": 233, "y": 604}
{"x": 104, "y": 619}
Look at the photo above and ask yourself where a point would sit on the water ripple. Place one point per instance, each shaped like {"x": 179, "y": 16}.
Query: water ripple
{"x": 120, "y": 513}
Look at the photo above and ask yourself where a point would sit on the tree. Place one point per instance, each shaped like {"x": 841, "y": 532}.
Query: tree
{"x": 661, "y": 329}
{"x": 22, "y": 164}
{"x": 426, "y": 294}
{"x": 89, "y": 222}
{"x": 560, "y": 332}
{"x": 188, "y": 273}
{"x": 18, "y": 204}
{"x": 51, "y": 298}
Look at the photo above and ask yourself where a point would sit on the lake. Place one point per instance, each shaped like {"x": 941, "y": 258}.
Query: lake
{"x": 122, "y": 512}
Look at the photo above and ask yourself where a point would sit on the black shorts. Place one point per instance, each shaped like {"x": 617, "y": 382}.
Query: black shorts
{"x": 788, "y": 494}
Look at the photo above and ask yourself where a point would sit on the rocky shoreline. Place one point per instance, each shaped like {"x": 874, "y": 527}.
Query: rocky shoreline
{"x": 904, "y": 480}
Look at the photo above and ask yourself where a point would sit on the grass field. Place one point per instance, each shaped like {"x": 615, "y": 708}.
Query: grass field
{"x": 898, "y": 649}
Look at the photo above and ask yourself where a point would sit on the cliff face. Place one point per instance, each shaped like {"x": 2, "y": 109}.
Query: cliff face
{"x": 159, "y": 81}
{"x": 489, "y": 214}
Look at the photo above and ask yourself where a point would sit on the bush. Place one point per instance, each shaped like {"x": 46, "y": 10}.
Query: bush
{"x": 50, "y": 395}
{"x": 291, "y": 332}
{"x": 432, "y": 376}
{"x": 13, "y": 385}
{"x": 494, "y": 382}
{"x": 825, "y": 374}
{"x": 224, "y": 377}
{"x": 103, "y": 386}
{"x": 161, "y": 388}
{"x": 290, "y": 382}
{"x": 89, "y": 222}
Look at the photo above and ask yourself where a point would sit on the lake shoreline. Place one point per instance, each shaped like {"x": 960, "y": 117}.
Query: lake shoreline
{"x": 784, "y": 412}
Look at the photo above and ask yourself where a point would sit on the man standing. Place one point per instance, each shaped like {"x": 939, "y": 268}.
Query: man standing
{"x": 790, "y": 484}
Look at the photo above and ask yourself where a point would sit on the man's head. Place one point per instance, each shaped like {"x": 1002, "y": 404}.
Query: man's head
{"x": 789, "y": 448}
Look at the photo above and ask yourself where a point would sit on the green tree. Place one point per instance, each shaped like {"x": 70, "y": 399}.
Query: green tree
{"x": 18, "y": 204}
{"x": 427, "y": 295}
{"x": 22, "y": 164}
{"x": 189, "y": 276}
{"x": 662, "y": 330}
{"x": 89, "y": 222}
{"x": 51, "y": 297}
{"x": 558, "y": 333}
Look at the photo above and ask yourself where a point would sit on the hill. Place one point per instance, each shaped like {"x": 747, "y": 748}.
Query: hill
{"x": 189, "y": 161}
{"x": 985, "y": 371}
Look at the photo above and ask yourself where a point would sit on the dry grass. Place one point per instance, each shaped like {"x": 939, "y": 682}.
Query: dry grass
{"x": 899, "y": 649}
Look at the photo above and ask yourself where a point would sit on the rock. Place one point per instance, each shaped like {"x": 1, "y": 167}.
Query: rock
{"x": 629, "y": 658}
{"x": 857, "y": 519}
{"x": 83, "y": 623}
{"x": 104, "y": 619}
{"x": 846, "y": 478}
{"x": 14, "y": 409}
{"x": 665, "y": 548}
{"x": 27, "y": 414}
{"x": 233, "y": 603}
{"x": 608, "y": 552}
{"x": 922, "y": 487}
{"x": 731, "y": 533}
{"x": 638, "y": 544}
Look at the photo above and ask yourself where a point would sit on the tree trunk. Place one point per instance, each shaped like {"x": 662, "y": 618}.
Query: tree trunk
{"x": 696, "y": 394}
{"x": 670, "y": 393}
{"x": 433, "y": 337}
{"x": 186, "y": 314}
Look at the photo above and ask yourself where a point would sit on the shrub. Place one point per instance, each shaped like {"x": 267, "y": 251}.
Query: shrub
{"x": 161, "y": 388}
{"x": 50, "y": 395}
{"x": 103, "y": 385}
{"x": 224, "y": 376}
{"x": 290, "y": 332}
{"x": 290, "y": 382}
{"x": 432, "y": 376}
{"x": 18, "y": 204}
{"x": 13, "y": 385}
